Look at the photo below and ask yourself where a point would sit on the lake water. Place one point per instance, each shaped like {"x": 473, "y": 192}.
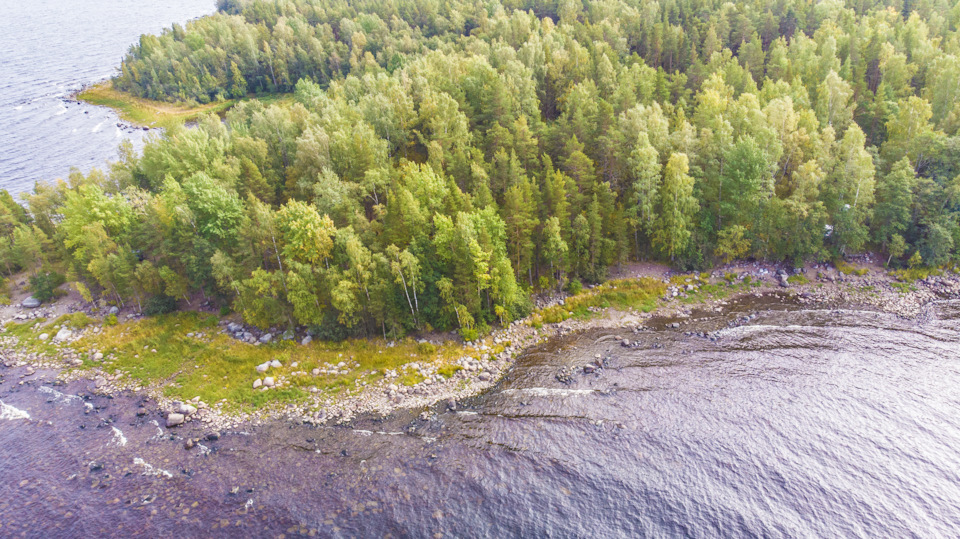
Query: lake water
{"x": 794, "y": 423}
{"x": 48, "y": 50}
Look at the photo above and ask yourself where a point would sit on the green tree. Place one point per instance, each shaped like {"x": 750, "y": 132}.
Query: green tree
{"x": 677, "y": 206}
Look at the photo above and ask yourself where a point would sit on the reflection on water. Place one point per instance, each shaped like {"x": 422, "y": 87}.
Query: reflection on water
{"x": 795, "y": 423}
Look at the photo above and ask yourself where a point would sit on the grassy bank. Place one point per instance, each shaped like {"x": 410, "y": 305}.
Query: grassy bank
{"x": 184, "y": 355}
{"x": 624, "y": 294}
{"x": 145, "y": 112}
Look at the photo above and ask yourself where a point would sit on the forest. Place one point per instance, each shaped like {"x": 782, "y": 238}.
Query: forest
{"x": 438, "y": 162}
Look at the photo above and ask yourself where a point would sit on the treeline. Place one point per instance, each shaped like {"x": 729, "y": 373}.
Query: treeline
{"x": 453, "y": 157}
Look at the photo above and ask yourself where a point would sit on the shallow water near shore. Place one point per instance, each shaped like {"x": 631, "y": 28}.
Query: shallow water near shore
{"x": 794, "y": 423}
{"x": 49, "y": 49}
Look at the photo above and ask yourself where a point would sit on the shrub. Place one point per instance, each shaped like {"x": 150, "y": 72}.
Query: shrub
{"x": 574, "y": 287}
{"x": 448, "y": 370}
{"x": 161, "y": 304}
{"x": 426, "y": 348}
{"x": 110, "y": 320}
{"x": 849, "y": 269}
{"x": 469, "y": 334}
{"x": 43, "y": 285}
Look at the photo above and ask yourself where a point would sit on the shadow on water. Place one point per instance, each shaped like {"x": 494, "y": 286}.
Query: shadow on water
{"x": 765, "y": 419}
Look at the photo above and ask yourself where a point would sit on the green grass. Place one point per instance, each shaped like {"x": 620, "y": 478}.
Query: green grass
{"x": 909, "y": 275}
{"x": 150, "y": 113}
{"x": 844, "y": 267}
{"x": 217, "y": 367}
{"x": 146, "y": 112}
{"x": 449, "y": 370}
{"x": 798, "y": 278}
{"x": 623, "y": 294}
{"x": 75, "y": 320}
{"x": 904, "y": 288}
{"x": 28, "y": 335}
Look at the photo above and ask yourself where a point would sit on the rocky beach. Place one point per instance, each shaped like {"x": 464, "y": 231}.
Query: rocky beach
{"x": 479, "y": 365}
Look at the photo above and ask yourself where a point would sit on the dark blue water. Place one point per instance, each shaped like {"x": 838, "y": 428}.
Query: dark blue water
{"x": 803, "y": 423}
{"x": 49, "y": 49}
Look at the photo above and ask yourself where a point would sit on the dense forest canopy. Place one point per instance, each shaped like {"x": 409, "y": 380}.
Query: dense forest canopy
{"x": 439, "y": 160}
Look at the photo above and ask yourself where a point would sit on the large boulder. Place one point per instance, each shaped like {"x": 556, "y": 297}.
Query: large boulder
{"x": 174, "y": 419}
{"x": 30, "y": 303}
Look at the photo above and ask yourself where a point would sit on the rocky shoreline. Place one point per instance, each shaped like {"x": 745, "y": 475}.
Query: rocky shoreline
{"x": 482, "y": 364}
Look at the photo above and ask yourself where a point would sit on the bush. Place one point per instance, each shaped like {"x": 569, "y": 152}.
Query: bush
{"x": 470, "y": 334}
{"x": 159, "y": 305}
{"x": 75, "y": 320}
{"x": 110, "y": 320}
{"x": 43, "y": 286}
{"x": 448, "y": 370}
{"x": 544, "y": 282}
{"x": 425, "y": 349}
{"x": 224, "y": 310}
{"x": 331, "y": 329}
{"x": 574, "y": 287}
{"x": 849, "y": 269}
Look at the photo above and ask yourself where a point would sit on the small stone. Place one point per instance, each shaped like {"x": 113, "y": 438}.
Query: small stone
{"x": 266, "y": 337}
{"x": 31, "y": 303}
{"x": 268, "y": 381}
{"x": 174, "y": 419}
{"x": 275, "y": 364}
{"x": 589, "y": 369}
{"x": 263, "y": 367}
{"x": 114, "y": 310}
{"x": 141, "y": 411}
{"x": 625, "y": 343}
{"x": 485, "y": 376}
{"x": 44, "y": 336}
{"x": 316, "y": 372}
{"x": 257, "y": 383}
{"x": 306, "y": 340}
{"x": 452, "y": 404}
{"x": 63, "y": 334}
{"x": 213, "y": 436}
{"x": 187, "y": 409}
{"x": 188, "y": 444}
{"x": 98, "y": 356}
